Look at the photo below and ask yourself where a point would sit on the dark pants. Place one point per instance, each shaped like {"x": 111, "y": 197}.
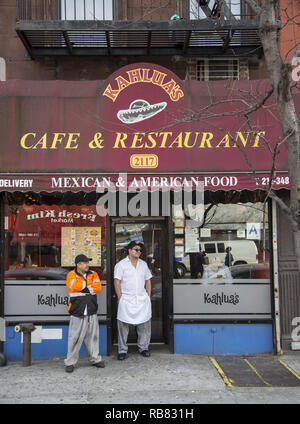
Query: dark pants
{"x": 195, "y": 270}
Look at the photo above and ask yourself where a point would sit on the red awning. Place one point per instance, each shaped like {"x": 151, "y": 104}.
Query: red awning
{"x": 87, "y": 183}
{"x": 143, "y": 121}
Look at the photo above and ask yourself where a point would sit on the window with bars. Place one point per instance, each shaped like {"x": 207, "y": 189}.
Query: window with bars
{"x": 218, "y": 69}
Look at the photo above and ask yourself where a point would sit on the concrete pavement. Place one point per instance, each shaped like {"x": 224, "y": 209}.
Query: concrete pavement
{"x": 163, "y": 378}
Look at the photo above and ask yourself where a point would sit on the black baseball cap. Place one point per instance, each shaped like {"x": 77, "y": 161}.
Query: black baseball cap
{"x": 82, "y": 258}
{"x": 134, "y": 243}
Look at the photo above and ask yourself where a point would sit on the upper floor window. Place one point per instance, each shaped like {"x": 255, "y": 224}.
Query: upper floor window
{"x": 86, "y": 10}
{"x": 217, "y": 69}
{"x": 232, "y": 7}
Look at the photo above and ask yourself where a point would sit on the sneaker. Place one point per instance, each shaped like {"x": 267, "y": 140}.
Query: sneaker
{"x": 69, "y": 368}
{"x": 121, "y": 356}
{"x": 145, "y": 353}
{"x": 99, "y": 364}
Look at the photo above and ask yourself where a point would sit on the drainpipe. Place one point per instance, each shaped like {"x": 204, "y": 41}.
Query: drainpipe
{"x": 3, "y": 360}
{"x": 276, "y": 279}
{"x": 2, "y": 69}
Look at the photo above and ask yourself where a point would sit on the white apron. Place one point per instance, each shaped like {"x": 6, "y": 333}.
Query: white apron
{"x": 135, "y": 304}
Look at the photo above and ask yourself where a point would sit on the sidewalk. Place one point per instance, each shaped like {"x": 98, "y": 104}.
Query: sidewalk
{"x": 161, "y": 379}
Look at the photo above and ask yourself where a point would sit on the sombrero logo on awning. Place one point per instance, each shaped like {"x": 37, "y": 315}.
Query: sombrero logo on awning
{"x": 140, "y": 110}
{"x": 134, "y": 81}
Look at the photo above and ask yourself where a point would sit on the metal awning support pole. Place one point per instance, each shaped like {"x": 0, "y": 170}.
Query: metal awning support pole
{"x": 2, "y": 320}
{"x": 2, "y": 340}
{"x": 275, "y": 277}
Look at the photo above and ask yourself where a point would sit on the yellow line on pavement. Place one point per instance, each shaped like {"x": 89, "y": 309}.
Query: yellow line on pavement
{"x": 257, "y": 373}
{"x": 290, "y": 369}
{"x": 220, "y": 371}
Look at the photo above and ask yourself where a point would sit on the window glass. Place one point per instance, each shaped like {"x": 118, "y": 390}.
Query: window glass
{"x": 217, "y": 69}
{"x": 43, "y": 238}
{"x": 210, "y": 247}
{"x": 232, "y": 6}
{"x": 221, "y": 247}
{"x": 86, "y": 10}
{"x": 234, "y": 235}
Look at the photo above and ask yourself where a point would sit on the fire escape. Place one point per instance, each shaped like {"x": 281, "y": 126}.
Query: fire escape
{"x": 136, "y": 27}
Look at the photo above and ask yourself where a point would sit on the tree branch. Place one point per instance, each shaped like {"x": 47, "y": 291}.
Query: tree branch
{"x": 254, "y": 6}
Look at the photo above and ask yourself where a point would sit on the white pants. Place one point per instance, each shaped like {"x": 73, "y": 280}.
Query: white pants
{"x": 86, "y": 330}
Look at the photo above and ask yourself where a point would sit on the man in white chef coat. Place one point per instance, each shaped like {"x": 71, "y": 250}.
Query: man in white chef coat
{"x": 132, "y": 280}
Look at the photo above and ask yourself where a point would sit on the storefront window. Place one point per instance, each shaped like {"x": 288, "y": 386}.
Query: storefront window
{"x": 45, "y": 232}
{"x": 222, "y": 268}
{"x": 236, "y": 235}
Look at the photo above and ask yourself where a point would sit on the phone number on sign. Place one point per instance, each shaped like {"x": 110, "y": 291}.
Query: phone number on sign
{"x": 276, "y": 180}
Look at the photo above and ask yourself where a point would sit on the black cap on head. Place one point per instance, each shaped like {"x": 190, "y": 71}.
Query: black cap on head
{"x": 82, "y": 258}
{"x": 133, "y": 243}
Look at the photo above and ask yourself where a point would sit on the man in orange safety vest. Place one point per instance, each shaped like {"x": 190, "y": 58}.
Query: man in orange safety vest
{"x": 83, "y": 285}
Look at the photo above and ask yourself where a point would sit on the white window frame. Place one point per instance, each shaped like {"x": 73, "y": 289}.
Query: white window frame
{"x": 86, "y": 10}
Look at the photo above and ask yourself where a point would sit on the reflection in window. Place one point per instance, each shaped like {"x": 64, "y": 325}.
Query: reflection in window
{"x": 236, "y": 235}
{"x": 221, "y": 247}
{"x": 42, "y": 239}
{"x": 150, "y": 235}
{"x": 210, "y": 247}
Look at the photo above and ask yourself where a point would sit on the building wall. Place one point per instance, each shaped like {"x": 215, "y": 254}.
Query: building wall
{"x": 290, "y": 32}
{"x": 20, "y": 66}
{"x": 289, "y": 279}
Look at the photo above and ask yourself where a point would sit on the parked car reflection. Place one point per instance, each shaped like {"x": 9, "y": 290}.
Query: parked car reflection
{"x": 261, "y": 270}
{"x": 44, "y": 273}
{"x": 36, "y": 273}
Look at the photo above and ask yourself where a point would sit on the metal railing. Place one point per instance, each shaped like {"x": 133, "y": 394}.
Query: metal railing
{"x": 131, "y": 10}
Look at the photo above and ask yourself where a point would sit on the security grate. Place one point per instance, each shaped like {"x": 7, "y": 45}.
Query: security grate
{"x": 217, "y": 69}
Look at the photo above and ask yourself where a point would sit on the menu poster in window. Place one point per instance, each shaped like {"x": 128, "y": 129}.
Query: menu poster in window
{"x": 80, "y": 240}
{"x": 191, "y": 238}
{"x": 179, "y": 253}
{"x": 205, "y": 232}
{"x": 178, "y": 211}
{"x": 241, "y": 233}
